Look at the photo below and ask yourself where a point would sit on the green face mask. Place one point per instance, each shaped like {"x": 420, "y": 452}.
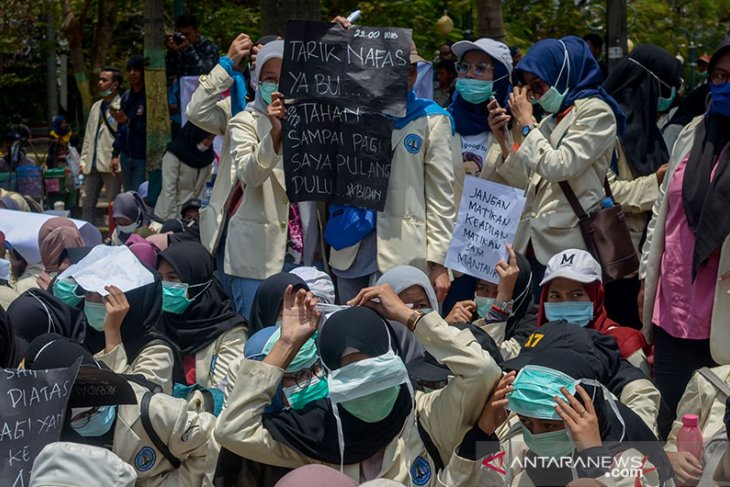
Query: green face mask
{"x": 554, "y": 444}
{"x": 267, "y": 89}
{"x": 483, "y": 305}
{"x": 663, "y": 104}
{"x": 95, "y": 315}
{"x": 65, "y": 290}
{"x": 474, "y": 90}
{"x": 175, "y": 296}
{"x": 105, "y": 93}
{"x": 298, "y": 397}
{"x": 374, "y": 407}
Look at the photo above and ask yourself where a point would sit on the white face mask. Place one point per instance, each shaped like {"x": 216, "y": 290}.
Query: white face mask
{"x": 128, "y": 228}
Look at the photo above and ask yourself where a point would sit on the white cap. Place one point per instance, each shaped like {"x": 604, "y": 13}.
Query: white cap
{"x": 4, "y": 270}
{"x": 495, "y": 49}
{"x": 574, "y": 264}
{"x": 77, "y": 465}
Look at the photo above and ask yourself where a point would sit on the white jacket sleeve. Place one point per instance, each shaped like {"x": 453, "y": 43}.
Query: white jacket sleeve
{"x": 205, "y": 108}
{"x": 254, "y": 158}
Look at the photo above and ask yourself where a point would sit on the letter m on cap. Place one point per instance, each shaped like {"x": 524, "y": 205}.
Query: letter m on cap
{"x": 567, "y": 259}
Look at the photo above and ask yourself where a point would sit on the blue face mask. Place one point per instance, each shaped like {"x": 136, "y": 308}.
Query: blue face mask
{"x": 553, "y": 444}
{"x": 267, "y": 88}
{"x": 663, "y": 104}
{"x": 720, "y": 99}
{"x": 298, "y": 397}
{"x": 483, "y": 305}
{"x": 65, "y": 290}
{"x": 534, "y": 389}
{"x": 95, "y": 314}
{"x": 474, "y": 90}
{"x": 175, "y": 296}
{"x": 574, "y": 312}
{"x": 98, "y": 424}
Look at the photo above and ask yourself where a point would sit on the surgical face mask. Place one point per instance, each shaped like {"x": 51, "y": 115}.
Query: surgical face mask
{"x": 65, "y": 290}
{"x": 474, "y": 90}
{"x": 105, "y": 93}
{"x": 554, "y": 444}
{"x": 175, "y": 296}
{"x": 128, "y": 228}
{"x": 375, "y": 407}
{"x": 574, "y": 312}
{"x": 720, "y": 99}
{"x": 534, "y": 390}
{"x": 483, "y": 305}
{"x": 202, "y": 146}
{"x": 95, "y": 314}
{"x": 298, "y": 397}
{"x": 663, "y": 104}
{"x": 98, "y": 424}
{"x": 267, "y": 88}
{"x": 552, "y": 99}
{"x": 426, "y": 310}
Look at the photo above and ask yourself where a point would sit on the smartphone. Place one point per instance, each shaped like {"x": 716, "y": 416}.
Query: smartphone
{"x": 507, "y": 132}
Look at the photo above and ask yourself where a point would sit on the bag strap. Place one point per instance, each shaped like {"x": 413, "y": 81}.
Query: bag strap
{"x": 150, "y": 430}
{"x": 573, "y": 200}
{"x": 715, "y": 380}
{"x": 433, "y": 452}
{"x": 106, "y": 122}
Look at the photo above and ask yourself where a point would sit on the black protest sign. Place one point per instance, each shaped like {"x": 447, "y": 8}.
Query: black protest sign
{"x": 359, "y": 66}
{"x": 336, "y": 154}
{"x": 32, "y": 412}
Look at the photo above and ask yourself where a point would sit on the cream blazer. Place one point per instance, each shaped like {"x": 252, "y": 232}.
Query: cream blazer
{"x": 426, "y": 178}
{"x": 653, "y": 250}
{"x": 103, "y": 143}
{"x": 578, "y": 149}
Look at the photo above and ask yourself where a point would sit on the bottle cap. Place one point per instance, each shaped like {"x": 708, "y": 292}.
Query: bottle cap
{"x": 690, "y": 420}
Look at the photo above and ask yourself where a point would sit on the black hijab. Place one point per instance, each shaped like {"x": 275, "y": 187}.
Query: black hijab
{"x": 637, "y": 92}
{"x": 268, "y": 299}
{"x": 141, "y": 326}
{"x": 312, "y": 431}
{"x": 706, "y": 199}
{"x": 522, "y": 294}
{"x": 184, "y": 146}
{"x": 10, "y": 354}
{"x": 36, "y": 312}
{"x": 211, "y": 313}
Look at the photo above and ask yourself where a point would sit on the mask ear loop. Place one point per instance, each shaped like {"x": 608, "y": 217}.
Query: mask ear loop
{"x": 566, "y": 62}
{"x": 653, "y": 74}
{"x": 611, "y": 402}
{"x": 51, "y": 323}
{"x": 206, "y": 284}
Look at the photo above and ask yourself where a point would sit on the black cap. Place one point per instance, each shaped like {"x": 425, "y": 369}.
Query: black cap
{"x": 428, "y": 369}
{"x": 192, "y": 203}
{"x": 95, "y": 384}
{"x": 600, "y": 350}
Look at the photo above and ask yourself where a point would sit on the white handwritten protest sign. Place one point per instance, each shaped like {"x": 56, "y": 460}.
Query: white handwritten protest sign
{"x": 488, "y": 217}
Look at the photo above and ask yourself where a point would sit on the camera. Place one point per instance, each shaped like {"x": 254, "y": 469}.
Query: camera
{"x": 178, "y": 38}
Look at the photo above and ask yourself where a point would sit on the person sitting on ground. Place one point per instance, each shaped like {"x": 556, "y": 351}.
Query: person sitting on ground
{"x": 131, "y": 215}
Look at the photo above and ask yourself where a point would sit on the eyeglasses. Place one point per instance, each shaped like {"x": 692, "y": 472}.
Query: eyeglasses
{"x": 719, "y": 76}
{"x": 535, "y": 87}
{"x": 304, "y": 377}
{"x": 82, "y": 419}
{"x": 480, "y": 69}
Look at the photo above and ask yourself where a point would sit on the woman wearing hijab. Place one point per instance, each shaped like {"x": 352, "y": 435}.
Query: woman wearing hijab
{"x": 266, "y": 233}
{"x": 685, "y": 257}
{"x": 125, "y": 332}
{"x": 573, "y": 143}
{"x": 268, "y": 304}
{"x": 571, "y": 428}
{"x": 10, "y": 356}
{"x": 112, "y": 417}
{"x": 36, "y": 312}
{"x": 197, "y": 314}
{"x": 368, "y": 426}
{"x": 186, "y": 167}
{"x": 61, "y": 137}
{"x": 501, "y": 308}
{"x": 644, "y": 85}
{"x": 483, "y": 72}
{"x": 572, "y": 291}
{"x": 130, "y": 215}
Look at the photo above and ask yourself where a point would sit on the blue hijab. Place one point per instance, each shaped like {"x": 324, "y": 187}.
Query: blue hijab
{"x": 471, "y": 118}
{"x": 238, "y": 88}
{"x": 545, "y": 58}
{"x": 420, "y": 107}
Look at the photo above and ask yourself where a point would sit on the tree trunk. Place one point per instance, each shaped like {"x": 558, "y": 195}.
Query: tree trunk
{"x": 490, "y": 19}
{"x": 103, "y": 32}
{"x": 155, "y": 82}
{"x": 274, "y": 13}
{"x": 73, "y": 30}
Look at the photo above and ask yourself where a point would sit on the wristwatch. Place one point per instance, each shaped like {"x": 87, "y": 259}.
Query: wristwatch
{"x": 503, "y": 306}
{"x": 414, "y": 319}
{"x": 526, "y": 129}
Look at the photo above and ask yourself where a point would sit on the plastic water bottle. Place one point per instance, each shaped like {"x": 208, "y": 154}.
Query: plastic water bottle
{"x": 689, "y": 437}
{"x": 606, "y": 202}
{"x": 207, "y": 193}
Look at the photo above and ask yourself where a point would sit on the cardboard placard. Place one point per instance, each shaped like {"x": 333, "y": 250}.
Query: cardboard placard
{"x": 489, "y": 215}
{"x": 360, "y": 66}
{"x": 32, "y": 413}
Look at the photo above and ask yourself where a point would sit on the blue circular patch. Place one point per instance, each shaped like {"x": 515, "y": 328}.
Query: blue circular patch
{"x": 420, "y": 471}
{"x": 145, "y": 459}
{"x": 413, "y": 143}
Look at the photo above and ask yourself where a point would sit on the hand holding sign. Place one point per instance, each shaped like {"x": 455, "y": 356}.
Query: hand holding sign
{"x": 277, "y": 112}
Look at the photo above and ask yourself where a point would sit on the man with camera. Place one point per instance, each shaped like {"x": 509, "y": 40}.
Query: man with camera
{"x": 189, "y": 52}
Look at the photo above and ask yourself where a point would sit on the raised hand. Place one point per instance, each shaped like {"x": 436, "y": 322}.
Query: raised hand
{"x": 580, "y": 420}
